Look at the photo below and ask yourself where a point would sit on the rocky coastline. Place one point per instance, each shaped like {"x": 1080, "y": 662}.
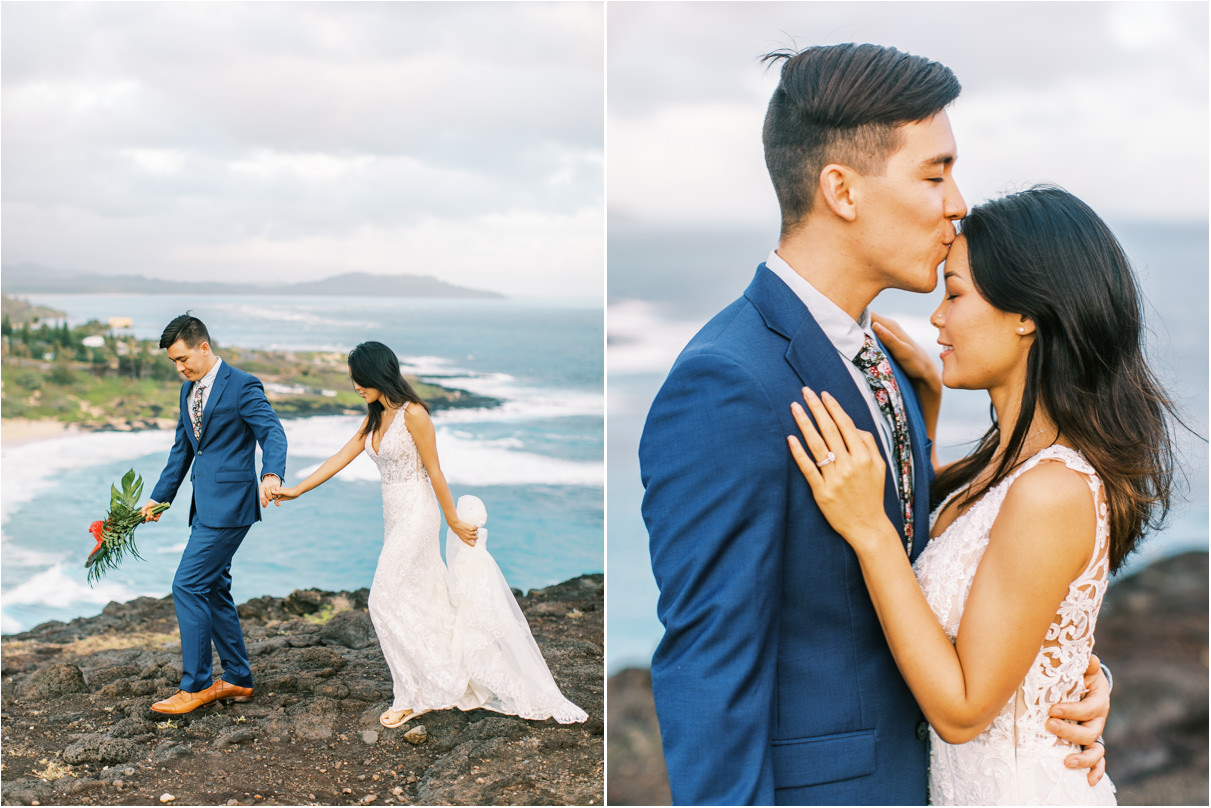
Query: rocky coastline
{"x": 76, "y": 728}
{"x": 1152, "y": 632}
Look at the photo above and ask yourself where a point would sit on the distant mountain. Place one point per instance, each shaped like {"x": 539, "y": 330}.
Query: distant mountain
{"x": 31, "y": 279}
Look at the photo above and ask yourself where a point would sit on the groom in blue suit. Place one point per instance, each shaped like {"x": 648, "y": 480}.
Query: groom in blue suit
{"x": 773, "y": 681}
{"x": 224, "y": 415}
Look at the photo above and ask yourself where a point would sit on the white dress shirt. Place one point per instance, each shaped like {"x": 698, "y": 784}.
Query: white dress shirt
{"x": 846, "y": 336}
{"x": 207, "y": 380}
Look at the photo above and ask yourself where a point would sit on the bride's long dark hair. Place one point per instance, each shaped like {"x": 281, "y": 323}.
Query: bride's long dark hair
{"x": 373, "y": 364}
{"x": 1045, "y": 254}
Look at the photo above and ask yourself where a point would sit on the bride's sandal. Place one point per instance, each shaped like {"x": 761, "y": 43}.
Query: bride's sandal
{"x": 412, "y": 715}
{"x": 395, "y": 718}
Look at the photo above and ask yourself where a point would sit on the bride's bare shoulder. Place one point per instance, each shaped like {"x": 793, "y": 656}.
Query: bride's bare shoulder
{"x": 1049, "y": 509}
{"x": 416, "y": 416}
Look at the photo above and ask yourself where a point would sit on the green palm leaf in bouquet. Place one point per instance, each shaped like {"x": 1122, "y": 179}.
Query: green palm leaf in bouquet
{"x": 115, "y": 534}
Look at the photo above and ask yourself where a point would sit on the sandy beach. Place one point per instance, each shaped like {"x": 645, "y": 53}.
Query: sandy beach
{"x": 18, "y": 431}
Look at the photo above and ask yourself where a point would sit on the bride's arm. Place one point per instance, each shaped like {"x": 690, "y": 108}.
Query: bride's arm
{"x": 1041, "y": 540}
{"x": 328, "y": 468}
{"x": 420, "y": 426}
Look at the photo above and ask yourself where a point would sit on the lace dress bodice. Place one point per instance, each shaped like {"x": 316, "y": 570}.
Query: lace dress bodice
{"x": 397, "y": 458}
{"x": 1016, "y": 760}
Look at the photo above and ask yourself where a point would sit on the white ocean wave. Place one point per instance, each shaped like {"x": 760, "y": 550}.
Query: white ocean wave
{"x": 472, "y": 461}
{"x": 307, "y": 347}
{"x": 424, "y": 365}
{"x": 469, "y": 462}
{"x": 56, "y": 588}
{"x": 530, "y": 405}
{"x": 494, "y": 443}
{"x": 31, "y": 468}
{"x": 320, "y": 435}
{"x": 516, "y": 397}
{"x": 250, "y": 312}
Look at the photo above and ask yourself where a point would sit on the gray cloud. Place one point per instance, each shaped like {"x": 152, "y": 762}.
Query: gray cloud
{"x": 150, "y": 131}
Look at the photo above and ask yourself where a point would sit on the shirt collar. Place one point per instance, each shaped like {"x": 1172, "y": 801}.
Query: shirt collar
{"x": 208, "y": 379}
{"x": 846, "y": 335}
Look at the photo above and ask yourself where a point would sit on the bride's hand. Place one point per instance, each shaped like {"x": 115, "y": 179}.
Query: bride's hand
{"x": 285, "y": 494}
{"x": 465, "y": 531}
{"x": 848, "y": 488}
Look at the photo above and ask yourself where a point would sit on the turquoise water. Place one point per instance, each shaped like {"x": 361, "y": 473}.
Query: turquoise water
{"x": 536, "y": 461}
{"x": 664, "y": 284}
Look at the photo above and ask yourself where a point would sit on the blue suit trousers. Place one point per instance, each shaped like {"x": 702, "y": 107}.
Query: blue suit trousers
{"x": 206, "y": 613}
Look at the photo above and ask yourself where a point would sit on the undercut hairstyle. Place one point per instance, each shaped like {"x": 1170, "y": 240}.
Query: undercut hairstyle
{"x": 843, "y": 104}
{"x": 1045, "y": 254}
{"x": 374, "y": 365}
{"x": 188, "y": 329}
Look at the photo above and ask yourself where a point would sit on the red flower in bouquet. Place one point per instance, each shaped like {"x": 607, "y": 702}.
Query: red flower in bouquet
{"x": 115, "y": 533}
{"x": 95, "y": 528}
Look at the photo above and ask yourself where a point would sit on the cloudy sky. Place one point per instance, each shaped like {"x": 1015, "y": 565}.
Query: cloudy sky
{"x": 1106, "y": 99}
{"x": 268, "y": 141}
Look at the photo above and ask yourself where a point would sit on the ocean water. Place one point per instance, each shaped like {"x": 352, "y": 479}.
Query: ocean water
{"x": 665, "y": 284}
{"x": 536, "y": 461}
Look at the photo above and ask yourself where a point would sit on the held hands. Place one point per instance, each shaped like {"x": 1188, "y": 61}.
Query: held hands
{"x": 1083, "y": 722}
{"x": 285, "y": 494}
{"x": 843, "y": 466}
{"x": 148, "y": 516}
{"x": 270, "y": 486}
{"x": 466, "y": 531}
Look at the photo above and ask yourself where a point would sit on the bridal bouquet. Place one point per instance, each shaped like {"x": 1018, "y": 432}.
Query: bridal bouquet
{"x": 115, "y": 534}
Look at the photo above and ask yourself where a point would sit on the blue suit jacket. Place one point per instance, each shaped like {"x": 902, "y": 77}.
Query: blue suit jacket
{"x": 773, "y": 682}
{"x": 225, "y": 482}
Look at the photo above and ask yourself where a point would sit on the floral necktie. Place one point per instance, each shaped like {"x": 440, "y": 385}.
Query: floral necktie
{"x": 874, "y": 366}
{"x": 195, "y": 411}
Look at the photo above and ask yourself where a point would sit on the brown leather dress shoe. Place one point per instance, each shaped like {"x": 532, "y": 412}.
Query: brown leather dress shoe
{"x": 223, "y": 691}
{"x": 184, "y": 702}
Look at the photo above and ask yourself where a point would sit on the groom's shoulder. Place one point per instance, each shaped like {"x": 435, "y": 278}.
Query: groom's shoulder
{"x": 737, "y": 331}
{"x": 242, "y": 377}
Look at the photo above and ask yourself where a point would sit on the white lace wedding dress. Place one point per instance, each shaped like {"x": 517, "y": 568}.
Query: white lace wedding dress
{"x": 1016, "y": 761}
{"x": 456, "y": 640}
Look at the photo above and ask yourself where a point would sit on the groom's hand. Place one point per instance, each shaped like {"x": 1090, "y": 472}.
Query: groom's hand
{"x": 1082, "y": 722}
{"x": 269, "y": 489}
{"x": 148, "y": 516}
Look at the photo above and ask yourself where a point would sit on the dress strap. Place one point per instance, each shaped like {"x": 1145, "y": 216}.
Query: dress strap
{"x": 1071, "y": 458}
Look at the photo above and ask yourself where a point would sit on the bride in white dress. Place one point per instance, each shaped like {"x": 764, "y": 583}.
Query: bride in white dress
{"x": 452, "y": 638}
{"x": 996, "y": 626}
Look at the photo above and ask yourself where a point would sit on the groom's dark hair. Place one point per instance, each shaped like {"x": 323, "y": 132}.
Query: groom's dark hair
{"x": 188, "y": 329}
{"x": 843, "y": 104}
